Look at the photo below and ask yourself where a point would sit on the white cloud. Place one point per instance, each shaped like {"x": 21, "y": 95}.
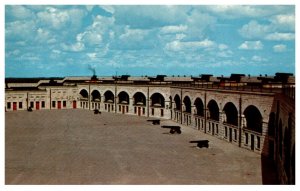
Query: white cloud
{"x": 222, "y": 47}
{"x": 90, "y": 37}
{"x": 280, "y": 36}
{"x": 225, "y": 54}
{"x": 251, "y": 45}
{"x": 174, "y": 29}
{"x": 284, "y": 22}
{"x": 178, "y": 45}
{"x": 59, "y": 18}
{"x": 20, "y": 30}
{"x": 42, "y": 35}
{"x": 76, "y": 47}
{"x": 108, "y": 8}
{"x": 238, "y": 11}
{"x": 133, "y": 34}
{"x": 20, "y": 12}
{"x": 254, "y": 30}
{"x": 279, "y": 48}
{"x": 256, "y": 58}
{"x": 52, "y": 16}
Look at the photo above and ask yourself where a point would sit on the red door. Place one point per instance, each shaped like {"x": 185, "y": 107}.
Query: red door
{"x": 14, "y": 106}
{"x": 139, "y": 111}
{"x": 37, "y": 105}
{"x": 74, "y": 104}
{"x": 59, "y": 104}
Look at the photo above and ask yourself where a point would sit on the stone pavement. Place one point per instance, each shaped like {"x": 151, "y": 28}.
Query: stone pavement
{"x": 79, "y": 147}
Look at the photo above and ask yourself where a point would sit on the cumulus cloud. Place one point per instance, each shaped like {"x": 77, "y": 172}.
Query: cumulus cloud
{"x": 254, "y": 30}
{"x": 57, "y": 18}
{"x": 222, "y": 47}
{"x": 75, "y": 47}
{"x": 280, "y": 36}
{"x": 178, "y": 45}
{"x": 279, "y": 48}
{"x": 256, "y": 58}
{"x": 19, "y": 12}
{"x": 285, "y": 22}
{"x": 174, "y": 29}
{"x": 251, "y": 45}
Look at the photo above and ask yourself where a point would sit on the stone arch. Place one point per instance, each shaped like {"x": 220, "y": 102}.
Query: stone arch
{"x": 157, "y": 100}
{"x": 139, "y": 99}
{"x": 84, "y": 94}
{"x": 187, "y": 104}
{"x": 96, "y": 96}
{"x": 123, "y": 97}
{"x": 231, "y": 114}
{"x": 213, "y": 110}
{"x": 109, "y": 97}
{"x": 271, "y": 124}
{"x": 253, "y": 118}
{"x": 177, "y": 102}
{"x": 199, "y": 107}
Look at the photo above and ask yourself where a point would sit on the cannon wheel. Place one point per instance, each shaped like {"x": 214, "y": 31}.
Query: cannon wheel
{"x": 179, "y": 131}
{"x": 172, "y": 131}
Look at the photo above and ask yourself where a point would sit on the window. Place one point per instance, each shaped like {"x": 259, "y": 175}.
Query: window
{"x": 258, "y": 142}
{"x": 31, "y": 104}
{"x": 127, "y": 109}
{"x": 217, "y": 128}
{"x": 105, "y": 106}
{"x": 112, "y": 107}
{"x": 120, "y": 108}
{"x": 134, "y": 109}
{"x": 53, "y": 103}
{"x": 43, "y": 104}
{"x": 225, "y": 131}
{"x": 162, "y": 112}
{"x": 8, "y": 105}
{"x": 20, "y": 105}
{"x": 152, "y": 112}
{"x": 64, "y": 103}
{"x": 143, "y": 111}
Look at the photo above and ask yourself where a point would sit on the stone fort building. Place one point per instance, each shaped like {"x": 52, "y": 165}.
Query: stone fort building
{"x": 255, "y": 113}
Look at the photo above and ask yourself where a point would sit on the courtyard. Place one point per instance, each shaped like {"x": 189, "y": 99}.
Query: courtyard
{"x": 80, "y": 147}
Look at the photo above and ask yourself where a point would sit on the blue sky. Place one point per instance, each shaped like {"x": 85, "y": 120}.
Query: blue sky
{"x": 43, "y": 41}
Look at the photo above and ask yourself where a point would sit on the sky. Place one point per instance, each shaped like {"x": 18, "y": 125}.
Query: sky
{"x": 62, "y": 40}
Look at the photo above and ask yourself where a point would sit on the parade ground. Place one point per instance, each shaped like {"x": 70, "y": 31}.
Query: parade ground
{"x": 80, "y": 147}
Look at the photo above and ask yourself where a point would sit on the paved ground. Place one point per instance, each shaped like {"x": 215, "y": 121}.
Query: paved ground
{"x": 78, "y": 147}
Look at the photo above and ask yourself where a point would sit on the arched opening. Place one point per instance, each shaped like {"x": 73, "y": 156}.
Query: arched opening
{"x": 213, "y": 109}
{"x": 231, "y": 114}
{"x": 271, "y": 124}
{"x": 157, "y": 100}
{"x": 187, "y": 104}
{"x": 199, "y": 107}
{"x": 177, "y": 102}
{"x": 253, "y": 118}
{"x": 109, "y": 97}
{"x": 84, "y": 94}
{"x": 96, "y": 96}
{"x": 123, "y": 98}
{"x": 139, "y": 99}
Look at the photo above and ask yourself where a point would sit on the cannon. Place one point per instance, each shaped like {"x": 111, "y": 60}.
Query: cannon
{"x": 154, "y": 121}
{"x": 201, "y": 143}
{"x": 96, "y": 111}
{"x": 173, "y": 129}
